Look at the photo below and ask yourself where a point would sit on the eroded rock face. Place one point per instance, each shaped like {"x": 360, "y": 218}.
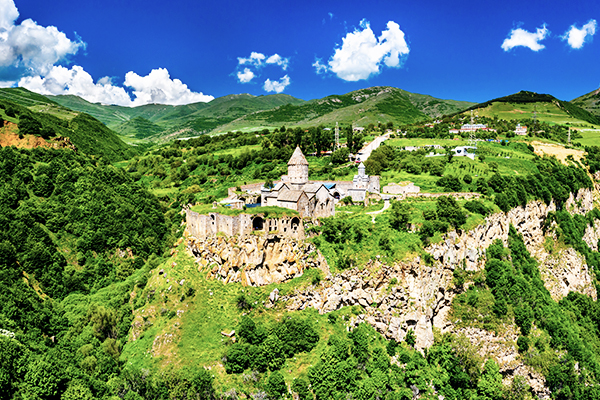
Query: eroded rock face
{"x": 395, "y": 298}
{"x": 255, "y": 260}
{"x": 413, "y": 295}
{"x": 470, "y": 246}
{"x": 503, "y": 349}
{"x": 566, "y": 271}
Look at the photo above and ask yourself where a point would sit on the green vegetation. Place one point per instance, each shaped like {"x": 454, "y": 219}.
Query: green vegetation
{"x": 101, "y": 299}
{"x": 558, "y": 107}
{"x": 514, "y": 291}
{"x": 48, "y": 120}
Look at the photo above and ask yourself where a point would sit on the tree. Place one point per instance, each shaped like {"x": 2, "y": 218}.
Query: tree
{"x": 448, "y": 210}
{"x": 276, "y": 387}
{"x": 340, "y": 156}
{"x": 400, "y": 214}
{"x": 410, "y": 338}
{"x": 489, "y": 385}
{"x": 301, "y": 386}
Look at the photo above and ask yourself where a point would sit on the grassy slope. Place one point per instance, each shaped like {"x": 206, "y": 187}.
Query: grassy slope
{"x": 87, "y": 133}
{"x": 589, "y": 102}
{"x": 549, "y": 109}
{"x": 194, "y": 118}
{"x": 361, "y": 107}
{"x": 233, "y": 112}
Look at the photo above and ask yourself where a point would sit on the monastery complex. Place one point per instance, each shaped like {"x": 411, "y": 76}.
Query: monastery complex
{"x": 311, "y": 199}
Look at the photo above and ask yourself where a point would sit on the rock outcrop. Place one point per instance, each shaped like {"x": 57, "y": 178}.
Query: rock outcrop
{"x": 413, "y": 295}
{"x": 255, "y": 260}
{"x": 566, "y": 271}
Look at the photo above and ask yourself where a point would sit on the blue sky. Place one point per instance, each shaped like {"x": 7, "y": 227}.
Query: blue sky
{"x": 182, "y": 51}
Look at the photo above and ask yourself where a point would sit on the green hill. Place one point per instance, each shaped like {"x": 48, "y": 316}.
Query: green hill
{"x": 547, "y": 108}
{"x": 244, "y": 111}
{"x": 361, "y": 107}
{"x": 37, "y": 115}
{"x": 188, "y": 119}
{"x": 589, "y": 102}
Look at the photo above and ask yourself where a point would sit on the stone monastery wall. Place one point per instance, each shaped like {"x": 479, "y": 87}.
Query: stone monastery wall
{"x": 201, "y": 225}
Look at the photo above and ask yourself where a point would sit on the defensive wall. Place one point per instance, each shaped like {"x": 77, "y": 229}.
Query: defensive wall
{"x": 204, "y": 225}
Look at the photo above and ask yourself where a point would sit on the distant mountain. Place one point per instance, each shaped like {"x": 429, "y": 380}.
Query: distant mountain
{"x": 589, "y": 102}
{"x": 189, "y": 119}
{"x": 37, "y": 115}
{"x": 523, "y": 104}
{"x": 360, "y": 107}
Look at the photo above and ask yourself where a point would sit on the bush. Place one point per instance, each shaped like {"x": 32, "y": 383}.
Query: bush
{"x": 477, "y": 207}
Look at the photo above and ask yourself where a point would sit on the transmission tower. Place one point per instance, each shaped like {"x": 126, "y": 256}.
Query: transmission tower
{"x": 337, "y": 136}
{"x": 569, "y": 136}
{"x": 472, "y": 139}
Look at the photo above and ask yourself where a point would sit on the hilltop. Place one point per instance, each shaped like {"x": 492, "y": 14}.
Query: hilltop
{"x": 154, "y": 121}
{"x": 361, "y": 107}
{"x": 244, "y": 111}
{"x": 547, "y": 108}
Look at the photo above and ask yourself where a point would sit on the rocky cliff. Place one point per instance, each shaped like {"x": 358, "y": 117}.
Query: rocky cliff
{"x": 413, "y": 295}
{"x": 255, "y": 260}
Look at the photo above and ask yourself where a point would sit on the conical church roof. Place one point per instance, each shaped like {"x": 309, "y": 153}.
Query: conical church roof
{"x": 298, "y": 158}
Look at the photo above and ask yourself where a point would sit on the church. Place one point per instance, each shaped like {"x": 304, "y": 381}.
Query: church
{"x": 315, "y": 198}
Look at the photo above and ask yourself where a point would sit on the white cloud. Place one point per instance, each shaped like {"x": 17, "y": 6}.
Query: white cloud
{"x": 576, "y": 37}
{"x": 156, "y": 87}
{"x": 255, "y": 59}
{"x": 245, "y": 76}
{"x": 277, "y": 59}
{"x": 362, "y": 54}
{"x": 29, "y": 49}
{"x": 8, "y": 14}
{"x": 277, "y": 86}
{"x": 253, "y": 65}
{"x": 520, "y": 37}
{"x": 319, "y": 68}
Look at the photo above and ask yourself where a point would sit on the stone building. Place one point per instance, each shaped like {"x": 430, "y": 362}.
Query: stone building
{"x": 320, "y": 196}
{"x": 204, "y": 225}
{"x": 296, "y": 192}
{"x": 363, "y": 183}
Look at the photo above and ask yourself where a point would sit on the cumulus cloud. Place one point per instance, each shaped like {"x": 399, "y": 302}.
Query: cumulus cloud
{"x": 277, "y": 59}
{"x": 319, "y": 68}
{"x": 255, "y": 59}
{"x": 276, "y": 86}
{"x": 362, "y": 54}
{"x": 29, "y": 49}
{"x": 250, "y": 67}
{"x": 245, "y": 76}
{"x": 156, "y": 87}
{"x": 521, "y": 37}
{"x": 576, "y": 37}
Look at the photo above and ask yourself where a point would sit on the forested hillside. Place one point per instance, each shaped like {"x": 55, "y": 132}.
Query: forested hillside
{"x": 36, "y": 115}
{"x": 103, "y": 299}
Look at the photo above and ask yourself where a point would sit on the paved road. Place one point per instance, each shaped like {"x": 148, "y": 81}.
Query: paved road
{"x": 365, "y": 152}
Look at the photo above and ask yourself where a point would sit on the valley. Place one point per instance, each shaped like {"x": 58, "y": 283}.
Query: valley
{"x": 458, "y": 260}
